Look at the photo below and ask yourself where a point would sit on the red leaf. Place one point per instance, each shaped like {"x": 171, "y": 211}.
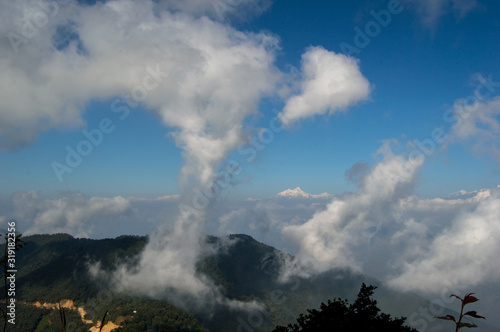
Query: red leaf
{"x": 466, "y": 325}
{"x": 469, "y": 299}
{"x": 473, "y": 314}
{"x": 458, "y": 297}
{"x": 447, "y": 317}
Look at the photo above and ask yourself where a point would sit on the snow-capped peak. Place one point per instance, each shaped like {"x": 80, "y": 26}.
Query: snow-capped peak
{"x": 299, "y": 193}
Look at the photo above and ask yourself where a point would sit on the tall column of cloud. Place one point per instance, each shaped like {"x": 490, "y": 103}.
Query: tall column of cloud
{"x": 216, "y": 77}
{"x": 330, "y": 82}
{"x": 202, "y": 78}
{"x": 206, "y": 77}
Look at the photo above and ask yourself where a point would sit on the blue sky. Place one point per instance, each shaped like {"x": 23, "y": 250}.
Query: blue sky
{"x": 416, "y": 69}
{"x": 118, "y": 115}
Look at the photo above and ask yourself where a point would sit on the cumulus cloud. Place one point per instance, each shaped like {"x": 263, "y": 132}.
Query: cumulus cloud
{"x": 177, "y": 59}
{"x": 190, "y": 71}
{"x": 74, "y": 213}
{"x": 330, "y": 82}
{"x": 201, "y": 77}
{"x": 460, "y": 254}
{"x": 338, "y": 236}
{"x": 477, "y": 124}
{"x": 413, "y": 243}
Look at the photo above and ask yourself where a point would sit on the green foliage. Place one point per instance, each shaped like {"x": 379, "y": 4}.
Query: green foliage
{"x": 468, "y": 298}
{"x": 27, "y": 317}
{"x": 51, "y": 321}
{"x": 30, "y": 318}
{"x": 153, "y": 315}
{"x": 55, "y": 267}
{"x": 338, "y": 315}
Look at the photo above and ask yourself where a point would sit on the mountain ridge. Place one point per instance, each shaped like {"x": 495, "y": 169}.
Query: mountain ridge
{"x": 55, "y": 268}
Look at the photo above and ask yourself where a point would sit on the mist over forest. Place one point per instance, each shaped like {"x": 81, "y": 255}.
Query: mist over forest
{"x": 217, "y": 165}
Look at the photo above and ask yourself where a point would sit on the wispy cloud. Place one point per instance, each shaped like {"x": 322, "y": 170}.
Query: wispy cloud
{"x": 431, "y": 10}
{"x": 477, "y": 125}
{"x": 218, "y": 10}
{"x": 167, "y": 198}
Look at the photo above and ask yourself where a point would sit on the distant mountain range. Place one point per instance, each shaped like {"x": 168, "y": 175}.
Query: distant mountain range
{"x": 53, "y": 269}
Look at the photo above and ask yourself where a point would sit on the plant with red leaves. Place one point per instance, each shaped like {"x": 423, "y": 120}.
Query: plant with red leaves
{"x": 468, "y": 298}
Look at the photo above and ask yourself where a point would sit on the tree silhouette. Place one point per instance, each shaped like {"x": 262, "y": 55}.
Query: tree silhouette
{"x": 338, "y": 315}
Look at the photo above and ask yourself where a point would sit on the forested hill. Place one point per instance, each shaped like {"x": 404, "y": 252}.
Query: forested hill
{"x": 54, "y": 268}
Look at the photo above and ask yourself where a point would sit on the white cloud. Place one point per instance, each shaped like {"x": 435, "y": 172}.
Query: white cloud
{"x": 330, "y": 82}
{"x": 188, "y": 70}
{"x": 176, "y": 59}
{"x": 202, "y": 77}
{"x": 336, "y": 236}
{"x": 74, "y": 213}
{"x": 462, "y": 254}
{"x": 413, "y": 243}
{"x": 168, "y": 270}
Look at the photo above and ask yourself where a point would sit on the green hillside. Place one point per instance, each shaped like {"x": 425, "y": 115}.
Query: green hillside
{"x": 53, "y": 268}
